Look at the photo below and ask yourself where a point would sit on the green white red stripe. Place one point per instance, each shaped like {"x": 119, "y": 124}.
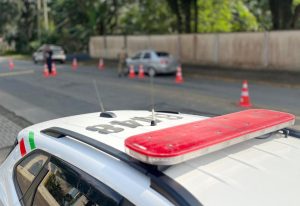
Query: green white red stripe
{"x": 30, "y": 141}
{"x": 22, "y": 147}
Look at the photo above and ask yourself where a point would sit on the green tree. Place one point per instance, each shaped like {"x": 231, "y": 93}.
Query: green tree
{"x": 281, "y": 13}
{"x": 8, "y": 11}
{"x": 260, "y": 9}
{"x": 225, "y": 16}
{"x": 295, "y": 20}
{"x": 75, "y": 20}
{"x": 147, "y": 17}
{"x": 26, "y": 26}
{"x": 184, "y": 10}
{"x": 242, "y": 19}
{"x": 276, "y": 14}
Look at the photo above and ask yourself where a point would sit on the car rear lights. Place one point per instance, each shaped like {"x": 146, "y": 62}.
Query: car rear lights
{"x": 163, "y": 61}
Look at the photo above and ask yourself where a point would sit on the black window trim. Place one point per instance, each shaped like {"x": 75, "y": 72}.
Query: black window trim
{"x": 161, "y": 183}
{"x": 99, "y": 185}
{"x": 292, "y": 132}
{"x": 147, "y": 53}
{"x": 86, "y": 177}
{"x": 31, "y": 187}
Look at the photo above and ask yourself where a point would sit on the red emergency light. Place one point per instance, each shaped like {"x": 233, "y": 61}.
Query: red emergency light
{"x": 180, "y": 143}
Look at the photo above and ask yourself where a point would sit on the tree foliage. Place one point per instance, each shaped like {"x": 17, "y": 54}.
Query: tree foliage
{"x": 26, "y": 26}
{"x": 212, "y": 16}
{"x": 276, "y": 14}
{"x": 281, "y": 13}
{"x": 72, "y": 22}
{"x": 260, "y": 9}
{"x": 18, "y": 22}
{"x": 8, "y": 11}
{"x": 183, "y": 10}
{"x": 146, "y": 17}
{"x": 227, "y": 16}
{"x": 75, "y": 20}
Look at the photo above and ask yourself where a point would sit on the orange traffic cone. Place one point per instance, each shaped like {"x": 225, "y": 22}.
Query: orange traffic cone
{"x": 11, "y": 65}
{"x": 245, "y": 99}
{"x": 46, "y": 71}
{"x": 101, "y": 64}
{"x": 74, "y": 64}
{"x": 179, "y": 78}
{"x": 131, "y": 72}
{"x": 141, "y": 72}
{"x": 53, "y": 73}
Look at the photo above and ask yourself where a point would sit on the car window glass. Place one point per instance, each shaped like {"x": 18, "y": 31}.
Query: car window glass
{"x": 162, "y": 54}
{"x": 28, "y": 169}
{"x": 147, "y": 56}
{"x": 56, "y": 48}
{"x": 62, "y": 186}
{"x": 137, "y": 56}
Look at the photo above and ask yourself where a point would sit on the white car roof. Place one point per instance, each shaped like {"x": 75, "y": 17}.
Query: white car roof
{"x": 254, "y": 172}
{"x": 79, "y": 123}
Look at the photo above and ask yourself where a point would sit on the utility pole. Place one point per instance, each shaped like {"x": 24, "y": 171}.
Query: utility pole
{"x": 46, "y": 14}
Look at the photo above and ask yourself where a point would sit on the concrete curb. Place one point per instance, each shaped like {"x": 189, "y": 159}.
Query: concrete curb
{"x": 20, "y": 121}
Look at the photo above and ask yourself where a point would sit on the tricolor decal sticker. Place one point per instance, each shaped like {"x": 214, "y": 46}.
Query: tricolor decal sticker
{"x": 22, "y": 147}
{"x": 31, "y": 141}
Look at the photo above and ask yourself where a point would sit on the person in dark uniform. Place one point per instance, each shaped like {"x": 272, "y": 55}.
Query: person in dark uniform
{"x": 122, "y": 62}
{"x": 48, "y": 58}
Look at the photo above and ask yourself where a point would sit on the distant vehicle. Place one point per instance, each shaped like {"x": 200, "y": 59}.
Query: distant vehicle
{"x": 120, "y": 158}
{"x": 154, "y": 62}
{"x": 58, "y": 54}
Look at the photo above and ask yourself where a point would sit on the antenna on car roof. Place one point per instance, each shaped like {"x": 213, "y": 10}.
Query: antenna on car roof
{"x": 98, "y": 96}
{"x": 153, "y": 122}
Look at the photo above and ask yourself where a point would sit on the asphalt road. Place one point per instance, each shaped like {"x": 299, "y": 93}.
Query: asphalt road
{"x": 27, "y": 93}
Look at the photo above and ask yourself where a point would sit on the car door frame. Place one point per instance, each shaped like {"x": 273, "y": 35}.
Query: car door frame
{"x": 147, "y": 62}
{"x": 29, "y": 195}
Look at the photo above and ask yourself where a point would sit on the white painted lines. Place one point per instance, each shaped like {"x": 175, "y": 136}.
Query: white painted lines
{"x": 7, "y": 74}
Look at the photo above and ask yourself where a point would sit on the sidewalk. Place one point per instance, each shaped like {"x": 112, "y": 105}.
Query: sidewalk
{"x": 10, "y": 126}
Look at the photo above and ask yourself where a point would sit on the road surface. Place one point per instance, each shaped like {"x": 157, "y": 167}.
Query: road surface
{"x": 25, "y": 92}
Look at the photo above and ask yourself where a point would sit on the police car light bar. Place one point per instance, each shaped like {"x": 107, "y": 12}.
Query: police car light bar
{"x": 180, "y": 143}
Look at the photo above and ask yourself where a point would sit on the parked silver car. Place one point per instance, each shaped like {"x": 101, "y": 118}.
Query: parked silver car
{"x": 58, "y": 54}
{"x": 154, "y": 62}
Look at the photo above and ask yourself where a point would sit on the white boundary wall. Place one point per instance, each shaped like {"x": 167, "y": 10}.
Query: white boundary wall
{"x": 257, "y": 50}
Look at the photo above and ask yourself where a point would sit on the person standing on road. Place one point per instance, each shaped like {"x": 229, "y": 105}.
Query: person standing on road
{"x": 122, "y": 61}
{"x": 48, "y": 58}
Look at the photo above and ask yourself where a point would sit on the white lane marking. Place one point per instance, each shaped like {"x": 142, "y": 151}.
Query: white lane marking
{"x": 6, "y": 74}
